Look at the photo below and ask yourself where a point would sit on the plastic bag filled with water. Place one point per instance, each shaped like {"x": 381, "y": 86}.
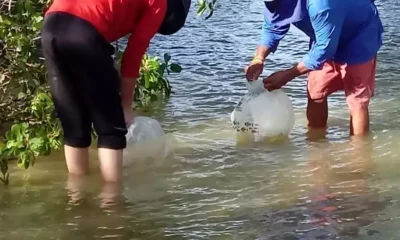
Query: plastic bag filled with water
{"x": 146, "y": 141}
{"x": 261, "y": 115}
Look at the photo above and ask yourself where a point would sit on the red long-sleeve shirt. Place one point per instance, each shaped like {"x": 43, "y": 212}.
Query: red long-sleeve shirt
{"x": 117, "y": 18}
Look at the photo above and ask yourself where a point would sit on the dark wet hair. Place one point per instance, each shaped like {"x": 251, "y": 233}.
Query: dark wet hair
{"x": 175, "y": 17}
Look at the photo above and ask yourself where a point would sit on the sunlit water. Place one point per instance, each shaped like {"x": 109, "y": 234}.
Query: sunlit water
{"x": 213, "y": 189}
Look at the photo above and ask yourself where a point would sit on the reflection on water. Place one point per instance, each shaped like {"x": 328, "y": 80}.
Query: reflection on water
{"x": 320, "y": 190}
{"x": 306, "y": 188}
{"x": 323, "y": 190}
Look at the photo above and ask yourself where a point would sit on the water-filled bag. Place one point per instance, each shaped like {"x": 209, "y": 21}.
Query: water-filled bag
{"x": 146, "y": 140}
{"x": 263, "y": 115}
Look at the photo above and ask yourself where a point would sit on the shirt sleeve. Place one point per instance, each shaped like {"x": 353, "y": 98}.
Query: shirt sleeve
{"x": 139, "y": 41}
{"x": 271, "y": 35}
{"x": 327, "y": 25}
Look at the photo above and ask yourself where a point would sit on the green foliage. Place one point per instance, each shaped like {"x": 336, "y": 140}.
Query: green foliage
{"x": 22, "y": 72}
{"x": 28, "y": 139}
{"x": 152, "y": 83}
{"x": 24, "y": 101}
{"x": 206, "y": 6}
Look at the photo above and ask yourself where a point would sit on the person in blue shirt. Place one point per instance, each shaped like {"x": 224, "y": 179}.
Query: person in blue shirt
{"x": 345, "y": 37}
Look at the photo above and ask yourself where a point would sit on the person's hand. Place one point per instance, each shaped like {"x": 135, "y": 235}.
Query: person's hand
{"x": 254, "y": 70}
{"x": 278, "y": 80}
{"x": 129, "y": 115}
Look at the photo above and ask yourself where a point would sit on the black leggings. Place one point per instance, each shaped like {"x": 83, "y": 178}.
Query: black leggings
{"x": 84, "y": 82}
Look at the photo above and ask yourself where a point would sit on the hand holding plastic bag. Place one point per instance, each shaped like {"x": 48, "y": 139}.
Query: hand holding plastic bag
{"x": 146, "y": 140}
{"x": 263, "y": 114}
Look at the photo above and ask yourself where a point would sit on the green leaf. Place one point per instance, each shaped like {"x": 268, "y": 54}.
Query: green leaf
{"x": 26, "y": 164}
{"x": 38, "y": 19}
{"x": 14, "y": 144}
{"x": 162, "y": 68}
{"x": 33, "y": 160}
{"x": 202, "y": 7}
{"x": 28, "y": 6}
{"x": 153, "y": 78}
{"x": 3, "y": 166}
{"x": 147, "y": 79}
{"x": 5, "y": 20}
{"x": 209, "y": 15}
{"x": 2, "y": 147}
{"x": 14, "y": 132}
{"x": 167, "y": 58}
{"x": 20, "y": 162}
{"x": 21, "y": 95}
{"x": 37, "y": 144}
{"x": 175, "y": 68}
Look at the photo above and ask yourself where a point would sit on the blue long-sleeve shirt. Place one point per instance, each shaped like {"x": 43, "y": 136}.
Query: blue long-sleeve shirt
{"x": 340, "y": 30}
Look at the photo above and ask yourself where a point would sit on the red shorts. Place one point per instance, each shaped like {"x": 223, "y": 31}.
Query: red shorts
{"x": 357, "y": 81}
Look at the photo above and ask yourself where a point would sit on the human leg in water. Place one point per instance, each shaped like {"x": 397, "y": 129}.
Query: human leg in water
{"x": 317, "y": 116}
{"x": 359, "y": 85}
{"x": 108, "y": 117}
{"x": 106, "y": 111}
{"x": 317, "y": 113}
{"x": 321, "y": 83}
{"x": 85, "y": 89}
{"x": 68, "y": 102}
{"x": 359, "y": 122}
{"x": 77, "y": 160}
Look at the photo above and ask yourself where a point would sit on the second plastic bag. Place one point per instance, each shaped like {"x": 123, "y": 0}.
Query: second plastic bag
{"x": 146, "y": 142}
{"x": 263, "y": 115}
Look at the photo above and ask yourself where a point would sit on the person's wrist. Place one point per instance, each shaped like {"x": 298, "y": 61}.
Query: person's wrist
{"x": 297, "y": 70}
{"x": 258, "y": 59}
{"x": 293, "y": 72}
{"x": 290, "y": 74}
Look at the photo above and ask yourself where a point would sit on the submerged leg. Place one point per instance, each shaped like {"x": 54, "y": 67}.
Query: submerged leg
{"x": 77, "y": 160}
{"x": 317, "y": 116}
{"x": 110, "y": 164}
{"x": 359, "y": 88}
{"x": 359, "y": 122}
{"x": 317, "y": 113}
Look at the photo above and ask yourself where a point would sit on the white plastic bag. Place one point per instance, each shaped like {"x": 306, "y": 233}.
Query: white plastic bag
{"x": 263, "y": 115}
{"x": 146, "y": 141}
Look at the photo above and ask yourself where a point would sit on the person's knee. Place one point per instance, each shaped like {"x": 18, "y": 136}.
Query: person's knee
{"x": 115, "y": 141}
{"x": 358, "y": 104}
{"x": 359, "y": 115}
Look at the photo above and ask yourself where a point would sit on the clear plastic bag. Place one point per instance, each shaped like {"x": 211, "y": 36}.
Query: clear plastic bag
{"x": 146, "y": 141}
{"x": 262, "y": 115}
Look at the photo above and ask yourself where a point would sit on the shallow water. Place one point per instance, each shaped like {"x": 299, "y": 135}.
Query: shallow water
{"x": 213, "y": 189}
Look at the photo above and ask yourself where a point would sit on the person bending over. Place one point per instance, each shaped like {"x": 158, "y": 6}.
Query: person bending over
{"x": 86, "y": 87}
{"x": 345, "y": 37}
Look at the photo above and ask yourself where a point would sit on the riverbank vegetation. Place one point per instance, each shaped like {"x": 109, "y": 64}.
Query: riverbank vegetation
{"x": 28, "y": 123}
